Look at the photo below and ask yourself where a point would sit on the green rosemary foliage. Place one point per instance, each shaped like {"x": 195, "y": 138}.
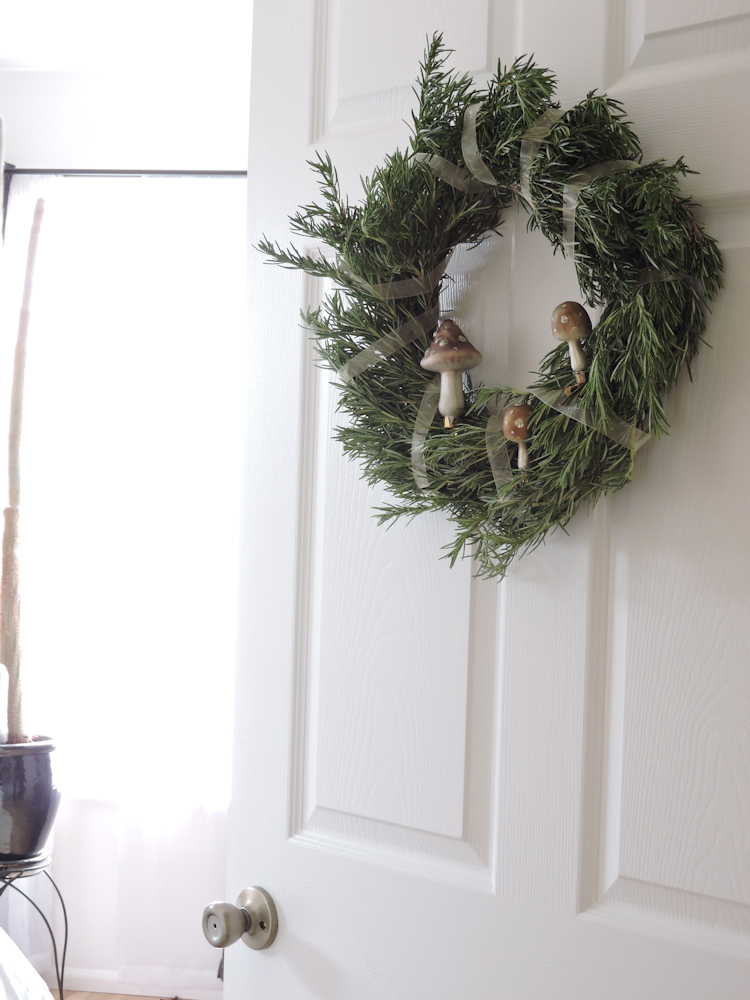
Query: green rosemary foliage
{"x": 631, "y": 228}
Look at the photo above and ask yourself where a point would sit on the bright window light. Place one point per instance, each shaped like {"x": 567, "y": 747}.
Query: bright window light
{"x": 131, "y": 479}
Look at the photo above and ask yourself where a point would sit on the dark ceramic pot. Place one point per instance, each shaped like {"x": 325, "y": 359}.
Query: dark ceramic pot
{"x": 28, "y": 799}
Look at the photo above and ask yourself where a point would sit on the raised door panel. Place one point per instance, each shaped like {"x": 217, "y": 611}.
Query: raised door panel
{"x": 682, "y": 71}
{"x": 676, "y": 777}
{"x": 369, "y": 54}
{"x": 390, "y": 662}
{"x": 440, "y": 718}
{"x": 667, "y": 31}
{"x": 679, "y": 838}
{"x": 396, "y": 655}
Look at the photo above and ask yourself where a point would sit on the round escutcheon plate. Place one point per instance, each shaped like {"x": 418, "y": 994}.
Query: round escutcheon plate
{"x": 264, "y": 922}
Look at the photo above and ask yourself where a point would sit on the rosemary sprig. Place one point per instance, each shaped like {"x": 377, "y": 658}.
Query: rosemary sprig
{"x": 408, "y": 221}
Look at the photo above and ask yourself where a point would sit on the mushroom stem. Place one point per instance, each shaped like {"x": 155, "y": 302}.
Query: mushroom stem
{"x": 451, "y": 402}
{"x": 578, "y": 360}
{"x": 523, "y": 456}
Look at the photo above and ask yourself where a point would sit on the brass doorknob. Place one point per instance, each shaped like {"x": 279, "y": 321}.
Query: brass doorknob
{"x": 253, "y": 919}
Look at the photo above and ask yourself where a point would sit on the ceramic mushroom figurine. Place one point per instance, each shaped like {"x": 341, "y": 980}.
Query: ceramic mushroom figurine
{"x": 516, "y": 429}
{"x": 571, "y": 322}
{"x": 450, "y": 354}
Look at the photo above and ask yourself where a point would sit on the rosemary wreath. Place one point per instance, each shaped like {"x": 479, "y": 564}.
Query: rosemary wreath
{"x": 640, "y": 255}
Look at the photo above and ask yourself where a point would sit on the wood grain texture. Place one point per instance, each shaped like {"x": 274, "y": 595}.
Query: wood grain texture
{"x": 368, "y": 86}
{"x": 543, "y": 653}
{"x": 570, "y": 45}
{"x": 392, "y": 660}
{"x": 693, "y": 108}
{"x": 685, "y": 820}
{"x": 696, "y": 42}
{"x": 673, "y": 15}
{"x": 472, "y": 641}
{"x": 695, "y": 909}
{"x": 466, "y": 860}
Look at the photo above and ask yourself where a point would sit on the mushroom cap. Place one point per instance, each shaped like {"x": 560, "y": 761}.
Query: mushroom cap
{"x": 516, "y": 422}
{"x": 450, "y": 350}
{"x": 570, "y": 321}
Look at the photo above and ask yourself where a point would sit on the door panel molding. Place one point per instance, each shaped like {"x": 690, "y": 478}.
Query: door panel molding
{"x": 363, "y": 88}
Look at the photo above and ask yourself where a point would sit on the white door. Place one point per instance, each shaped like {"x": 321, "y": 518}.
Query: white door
{"x": 538, "y": 789}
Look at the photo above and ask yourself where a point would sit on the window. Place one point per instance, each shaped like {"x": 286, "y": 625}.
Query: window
{"x": 133, "y": 430}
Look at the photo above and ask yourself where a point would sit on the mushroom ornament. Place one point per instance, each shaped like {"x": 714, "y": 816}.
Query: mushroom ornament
{"x": 451, "y": 355}
{"x": 571, "y": 322}
{"x": 516, "y": 429}
{"x": 418, "y": 206}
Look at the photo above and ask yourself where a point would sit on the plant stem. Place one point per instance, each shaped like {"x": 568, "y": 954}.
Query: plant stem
{"x": 10, "y": 603}
{"x": 11, "y": 608}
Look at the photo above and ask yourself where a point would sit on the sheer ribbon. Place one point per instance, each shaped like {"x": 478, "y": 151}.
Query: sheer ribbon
{"x": 497, "y": 451}
{"x": 458, "y": 178}
{"x": 393, "y": 341}
{"x": 531, "y": 143}
{"x": 425, "y": 415}
{"x": 475, "y": 180}
{"x": 470, "y": 147}
{"x": 406, "y": 288}
{"x": 627, "y": 435}
{"x": 572, "y": 192}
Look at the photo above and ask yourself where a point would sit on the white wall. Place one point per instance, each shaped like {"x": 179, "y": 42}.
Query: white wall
{"x": 163, "y": 120}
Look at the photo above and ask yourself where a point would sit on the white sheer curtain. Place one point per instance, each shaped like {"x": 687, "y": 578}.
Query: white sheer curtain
{"x": 130, "y": 498}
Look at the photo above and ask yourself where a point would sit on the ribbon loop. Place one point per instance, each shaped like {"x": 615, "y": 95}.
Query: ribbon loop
{"x": 628, "y": 435}
{"x": 531, "y": 143}
{"x": 572, "y": 191}
{"x": 393, "y": 341}
{"x": 474, "y": 181}
{"x": 470, "y": 147}
{"x": 459, "y": 179}
{"x": 497, "y": 451}
{"x": 406, "y": 288}
{"x": 425, "y": 416}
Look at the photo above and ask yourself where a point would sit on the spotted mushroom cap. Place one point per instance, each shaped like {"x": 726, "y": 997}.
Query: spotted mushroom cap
{"x": 450, "y": 351}
{"x": 516, "y": 422}
{"x": 570, "y": 321}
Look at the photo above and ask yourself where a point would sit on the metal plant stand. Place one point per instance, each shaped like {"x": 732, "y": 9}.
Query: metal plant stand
{"x": 10, "y": 872}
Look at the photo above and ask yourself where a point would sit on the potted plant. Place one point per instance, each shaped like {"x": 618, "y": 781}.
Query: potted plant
{"x": 28, "y": 796}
